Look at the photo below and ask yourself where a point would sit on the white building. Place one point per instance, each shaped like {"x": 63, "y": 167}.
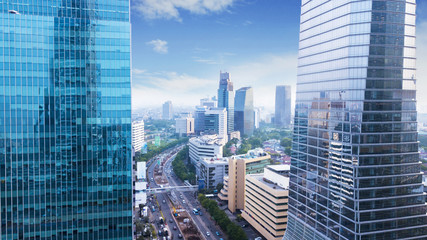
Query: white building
{"x": 137, "y": 135}
{"x": 184, "y": 126}
{"x": 216, "y": 121}
{"x": 213, "y": 170}
{"x": 141, "y": 171}
{"x": 207, "y": 146}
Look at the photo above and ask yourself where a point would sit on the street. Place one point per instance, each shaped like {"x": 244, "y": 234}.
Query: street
{"x": 187, "y": 200}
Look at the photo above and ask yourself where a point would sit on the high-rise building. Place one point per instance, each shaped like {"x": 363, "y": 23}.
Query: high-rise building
{"x": 137, "y": 135}
{"x": 266, "y": 201}
{"x": 282, "y": 116}
{"x": 238, "y": 166}
{"x": 355, "y": 171}
{"x": 65, "y": 120}
{"x": 199, "y": 119}
{"x": 167, "y": 112}
{"x": 216, "y": 122}
{"x": 244, "y": 115}
{"x": 226, "y": 98}
{"x": 257, "y": 117}
{"x": 208, "y": 102}
{"x": 212, "y": 171}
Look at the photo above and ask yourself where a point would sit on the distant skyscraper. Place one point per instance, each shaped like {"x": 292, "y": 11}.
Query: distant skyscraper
{"x": 226, "y": 98}
{"x": 257, "y": 117}
{"x": 207, "y": 102}
{"x": 184, "y": 126}
{"x": 216, "y": 122}
{"x": 282, "y": 116}
{"x": 137, "y": 135}
{"x": 167, "y": 110}
{"x": 355, "y": 171}
{"x": 65, "y": 120}
{"x": 199, "y": 119}
{"x": 244, "y": 115}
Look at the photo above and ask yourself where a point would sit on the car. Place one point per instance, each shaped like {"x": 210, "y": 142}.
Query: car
{"x": 201, "y": 213}
{"x": 170, "y": 220}
{"x": 258, "y": 238}
{"x": 180, "y": 235}
{"x": 217, "y": 233}
{"x": 174, "y": 228}
{"x": 221, "y": 239}
{"x": 208, "y": 234}
{"x": 164, "y": 201}
{"x": 183, "y": 201}
{"x": 244, "y": 225}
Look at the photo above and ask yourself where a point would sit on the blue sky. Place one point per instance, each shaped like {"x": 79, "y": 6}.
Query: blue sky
{"x": 180, "y": 46}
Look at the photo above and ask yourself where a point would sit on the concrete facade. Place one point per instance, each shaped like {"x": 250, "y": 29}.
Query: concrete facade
{"x": 266, "y": 201}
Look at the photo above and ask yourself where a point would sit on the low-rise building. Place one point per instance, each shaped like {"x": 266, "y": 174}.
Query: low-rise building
{"x": 213, "y": 170}
{"x": 207, "y": 146}
{"x": 238, "y": 166}
{"x": 266, "y": 201}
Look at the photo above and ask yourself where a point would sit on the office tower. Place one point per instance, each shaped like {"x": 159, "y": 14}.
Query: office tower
{"x": 226, "y": 98}
{"x": 212, "y": 171}
{"x": 355, "y": 171}
{"x": 216, "y": 122}
{"x": 244, "y": 115}
{"x": 167, "y": 110}
{"x": 137, "y": 135}
{"x": 199, "y": 119}
{"x": 238, "y": 166}
{"x": 266, "y": 201}
{"x": 65, "y": 120}
{"x": 282, "y": 116}
{"x": 184, "y": 126}
{"x": 206, "y": 146}
{"x": 207, "y": 102}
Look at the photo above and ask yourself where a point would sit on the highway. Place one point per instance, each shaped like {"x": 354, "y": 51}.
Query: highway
{"x": 186, "y": 199}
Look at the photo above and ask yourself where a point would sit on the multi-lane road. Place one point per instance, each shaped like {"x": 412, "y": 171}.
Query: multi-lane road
{"x": 187, "y": 200}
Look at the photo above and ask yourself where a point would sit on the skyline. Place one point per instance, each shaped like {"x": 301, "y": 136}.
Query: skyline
{"x": 179, "y": 53}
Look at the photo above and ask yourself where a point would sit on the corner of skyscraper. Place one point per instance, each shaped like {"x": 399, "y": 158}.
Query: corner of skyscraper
{"x": 355, "y": 171}
{"x": 65, "y": 120}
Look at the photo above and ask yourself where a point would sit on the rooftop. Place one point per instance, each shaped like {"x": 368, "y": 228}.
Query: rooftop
{"x": 262, "y": 179}
{"x": 279, "y": 168}
{"x": 218, "y": 161}
{"x": 255, "y": 153}
{"x": 208, "y": 140}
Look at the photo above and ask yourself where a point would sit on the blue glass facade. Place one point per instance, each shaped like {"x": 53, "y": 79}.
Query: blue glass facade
{"x": 226, "y": 99}
{"x": 244, "y": 115}
{"x": 65, "y": 120}
{"x": 355, "y": 171}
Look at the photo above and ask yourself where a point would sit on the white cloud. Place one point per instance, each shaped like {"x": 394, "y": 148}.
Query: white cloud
{"x": 421, "y": 69}
{"x": 169, "y": 9}
{"x": 159, "y": 46}
{"x": 264, "y": 75}
{"x": 151, "y": 89}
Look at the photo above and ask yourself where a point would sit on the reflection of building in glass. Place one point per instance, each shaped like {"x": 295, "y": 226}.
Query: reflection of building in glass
{"x": 282, "y": 116}
{"x": 65, "y": 120}
{"x": 226, "y": 99}
{"x": 244, "y": 118}
{"x": 355, "y": 171}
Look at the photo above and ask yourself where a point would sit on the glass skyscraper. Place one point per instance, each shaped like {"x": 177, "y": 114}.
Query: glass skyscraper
{"x": 226, "y": 99}
{"x": 244, "y": 115}
{"x": 282, "y": 114}
{"x": 65, "y": 120}
{"x": 355, "y": 170}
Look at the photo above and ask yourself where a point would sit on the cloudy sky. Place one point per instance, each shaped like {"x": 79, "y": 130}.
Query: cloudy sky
{"x": 180, "y": 46}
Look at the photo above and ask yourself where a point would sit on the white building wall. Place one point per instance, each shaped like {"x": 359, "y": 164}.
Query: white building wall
{"x": 138, "y": 135}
